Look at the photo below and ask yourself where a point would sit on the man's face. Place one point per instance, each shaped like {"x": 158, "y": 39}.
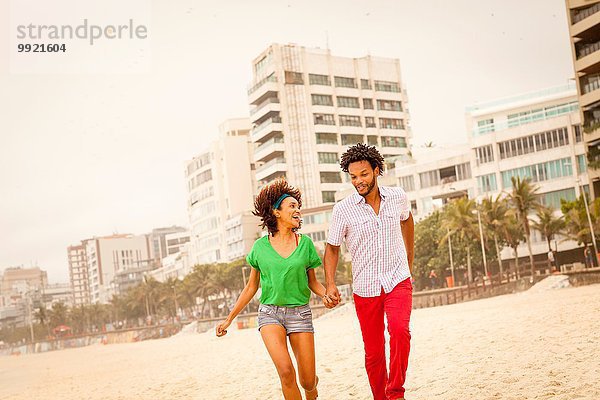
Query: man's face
{"x": 363, "y": 176}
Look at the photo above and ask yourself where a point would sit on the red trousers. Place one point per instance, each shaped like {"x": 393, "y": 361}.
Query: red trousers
{"x": 397, "y": 306}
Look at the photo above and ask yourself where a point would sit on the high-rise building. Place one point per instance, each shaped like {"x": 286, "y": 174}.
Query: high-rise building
{"x": 159, "y": 246}
{"x": 220, "y": 186}
{"x": 584, "y": 29}
{"x": 113, "y": 263}
{"x": 78, "y": 274}
{"x": 308, "y": 106}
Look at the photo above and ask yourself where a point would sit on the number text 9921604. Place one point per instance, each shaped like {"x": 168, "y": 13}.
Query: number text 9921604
{"x": 41, "y": 48}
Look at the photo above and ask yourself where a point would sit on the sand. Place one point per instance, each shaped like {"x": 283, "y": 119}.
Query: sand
{"x": 542, "y": 344}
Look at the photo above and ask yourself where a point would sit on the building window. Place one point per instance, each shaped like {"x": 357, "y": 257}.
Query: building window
{"x": 407, "y": 183}
{"x": 368, "y": 104}
{"x": 326, "y": 138}
{"x": 370, "y": 122}
{"x": 349, "y": 102}
{"x": 341, "y": 81}
{"x": 317, "y": 236}
{"x": 294, "y": 78}
{"x": 350, "y": 120}
{"x": 485, "y": 126}
{"x": 352, "y": 139}
{"x": 391, "y": 123}
{"x": 429, "y": 178}
{"x": 328, "y": 196}
{"x": 384, "y": 86}
{"x": 393, "y": 141}
{"x": 321, "y": 100}
{"x": 324, "y": 119}
{"x": 539, "y": 172}
{"x": 577, "y": 131}
{"x": 389, "y": 105}
{"x": 487, "y": 183}
{"x": 328, "y": 158}
{"x": 463, "y": 171}
{"x": 365, "y": 84}
{"x": 533, "y": 143}
{"x": 581, "y": 164}
{"x": 331, "y": 177}
{"x": 315, "y": 79}
{"x": 484, "y": 154}
{"x": 553, "y": 199}
{"x": 372, "y": 139}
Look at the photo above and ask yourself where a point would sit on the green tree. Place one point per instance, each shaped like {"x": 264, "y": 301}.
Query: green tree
{"x": 514, "y": 234}
{"x": 459, "y": 221}
{"x": 524, "y": 199}
{"x": 494, "y": 214}
{"x": 548, "y": 224}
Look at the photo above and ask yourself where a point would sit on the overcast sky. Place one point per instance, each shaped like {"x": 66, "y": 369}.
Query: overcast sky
{"x": 85, "y": 155}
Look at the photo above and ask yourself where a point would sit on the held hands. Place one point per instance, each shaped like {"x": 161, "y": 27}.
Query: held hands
{"x": 333, "y": 296}
{"x": 221, "y": 329}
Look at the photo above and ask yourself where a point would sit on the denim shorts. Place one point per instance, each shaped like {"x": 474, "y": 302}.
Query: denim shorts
{"x": 293, "y": 319}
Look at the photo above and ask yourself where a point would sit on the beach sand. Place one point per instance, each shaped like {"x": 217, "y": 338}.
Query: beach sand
{"x": 533, "y": 345}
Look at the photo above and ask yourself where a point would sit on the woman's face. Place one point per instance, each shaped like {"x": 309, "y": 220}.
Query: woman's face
{"x": 288, "y": 215}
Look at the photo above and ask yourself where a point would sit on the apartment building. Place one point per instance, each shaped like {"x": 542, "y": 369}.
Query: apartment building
{"x": 79, "y": 274}
{"x": 221, "y": 185}
{"x": 307, "y": 106}
{"x": 583, "y": 17}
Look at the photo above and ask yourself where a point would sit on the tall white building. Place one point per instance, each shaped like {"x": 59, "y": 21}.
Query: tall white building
{"x": 115, "y": 263}
{"x": 220, "y": 186}
{"x": 158, "y": 241}
{"x": 308, "y": 106}
{"x": 536, "y": 135}
{"x": 78, "y": 274}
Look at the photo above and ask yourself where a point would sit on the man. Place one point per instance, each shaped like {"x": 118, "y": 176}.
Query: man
{"x": 378, "y": 228}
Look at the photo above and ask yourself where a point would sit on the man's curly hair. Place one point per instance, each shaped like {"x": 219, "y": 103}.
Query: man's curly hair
{"x": 362, "y": 152}
{"x": 263, "y": 205}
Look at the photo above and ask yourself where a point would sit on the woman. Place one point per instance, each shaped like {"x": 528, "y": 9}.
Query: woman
{"x": 283, "y": 262}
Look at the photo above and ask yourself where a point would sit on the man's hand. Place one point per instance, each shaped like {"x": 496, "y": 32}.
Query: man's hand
{"x": 333, "y": 293}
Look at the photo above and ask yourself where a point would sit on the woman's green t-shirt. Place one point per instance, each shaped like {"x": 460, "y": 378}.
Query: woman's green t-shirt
{"x": 284, "y": 281}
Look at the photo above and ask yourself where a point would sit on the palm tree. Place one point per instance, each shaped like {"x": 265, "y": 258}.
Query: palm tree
{"x": 58, "y": 314}
{"x": 548, "y": 224}
{"x": 495, "y": 212}
{"x": 513, "y": 233}
{"x": 524, "y": 199}
{"x": 458, "y": 220}
{"x": 203, "y": 283}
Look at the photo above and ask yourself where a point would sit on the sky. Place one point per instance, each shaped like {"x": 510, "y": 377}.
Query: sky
{"x": 90, "y": 154}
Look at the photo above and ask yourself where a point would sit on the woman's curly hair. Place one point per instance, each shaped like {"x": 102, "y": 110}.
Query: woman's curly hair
{"x": 263, "y": 204}
{"x": 362, "y": 152}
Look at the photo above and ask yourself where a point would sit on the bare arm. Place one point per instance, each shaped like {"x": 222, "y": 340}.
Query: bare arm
{"x": 408, "y": 235}
{"x": 313, "y": 283}
{"x": 247, "y": 294}
{"x": 330, "y": 260}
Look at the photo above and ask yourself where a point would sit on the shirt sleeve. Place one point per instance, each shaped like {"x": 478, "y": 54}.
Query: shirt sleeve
{"x": 404, "y": 205}
{"x": 337, "y": 227}
{"x": 251, "y": 258}
{"x": 313, "y": 257}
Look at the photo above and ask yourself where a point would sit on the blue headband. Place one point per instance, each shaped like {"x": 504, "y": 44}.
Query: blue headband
{"x": 279, "y": 200}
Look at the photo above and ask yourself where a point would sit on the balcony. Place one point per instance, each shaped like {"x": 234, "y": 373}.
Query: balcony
{"x": 273, "y": 147}
{"x": 585, "y": 23}
{"x": 587, "y": 49}
{"x": 274, "y": 167}
{"x": 263, "y": 89}
{"x": 583, "y": 14}
{"x": 270, "y": 105}
{"x": 268, "y": 128}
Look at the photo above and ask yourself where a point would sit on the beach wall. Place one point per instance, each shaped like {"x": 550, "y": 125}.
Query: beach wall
{"x": 584, "y": 277}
